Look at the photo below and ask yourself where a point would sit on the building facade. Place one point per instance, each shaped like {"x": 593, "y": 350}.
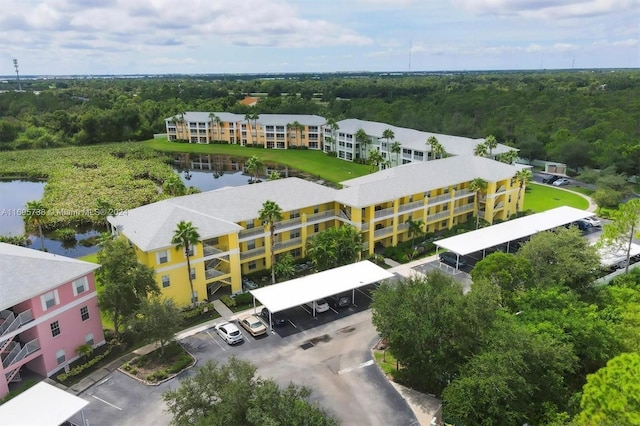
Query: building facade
{"x": 234, "y": 242}
{"x": 284, "y": 131}
{"x": 48, "y": 308}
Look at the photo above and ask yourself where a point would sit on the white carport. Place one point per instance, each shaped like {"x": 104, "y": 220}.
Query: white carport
{"x": 505, "y": 232}
{"x": 617, "y": 255}
{"x": 299, "y": 291}
{"x": 41, "y": 405}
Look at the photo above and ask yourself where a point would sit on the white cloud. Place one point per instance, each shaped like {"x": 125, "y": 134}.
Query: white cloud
{"x": 547, "y": 9}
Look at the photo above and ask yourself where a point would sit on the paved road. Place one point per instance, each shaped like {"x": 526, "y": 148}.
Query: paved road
{"x": 337, "y": 367}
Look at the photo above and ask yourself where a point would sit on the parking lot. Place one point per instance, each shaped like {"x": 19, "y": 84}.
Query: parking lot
{"x": 329, "y": 353}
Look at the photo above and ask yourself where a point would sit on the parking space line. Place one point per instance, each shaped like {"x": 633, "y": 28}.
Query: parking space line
{"x": 291, "y": 322}
{"x": 333, "y": 310}
{"x": 215, "y": 340}
{"x": 108, "y": 403}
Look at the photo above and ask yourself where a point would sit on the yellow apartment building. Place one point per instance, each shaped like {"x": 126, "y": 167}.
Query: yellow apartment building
{"x": 234, "y": 242}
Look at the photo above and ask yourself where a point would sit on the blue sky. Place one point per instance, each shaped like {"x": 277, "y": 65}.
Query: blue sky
{"x": 60, "y": 37}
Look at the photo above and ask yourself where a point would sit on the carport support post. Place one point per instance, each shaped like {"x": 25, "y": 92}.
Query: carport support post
{"x": 353, "y": 296}
{"x": 270, "y": 324}
{"x": 254, "y": 305}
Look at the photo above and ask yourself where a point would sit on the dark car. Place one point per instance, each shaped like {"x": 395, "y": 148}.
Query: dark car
{"x": 550, "y": 179}
{"x": 582, "y": 225}
{"x": 339, "y": 300}
{"x": 451, "y": 259}
{"x": 277, "y": 320}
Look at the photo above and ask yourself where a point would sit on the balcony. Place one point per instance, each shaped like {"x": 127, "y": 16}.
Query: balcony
{"x": 383, "y": 232}
{"x": 415, "y": 205}
{"x": 501, "y": 189}
{"x": 11, "y": 323}
{"x": 403, "y": 226}
{"x": 289, "y": 223}
{"x": 256, "y": 252}
{"x": 288, "y": 243}
{"x": 210, "y": 250}
{"x": 439, "y": 198}
{"x": 437, "y": 216}
{"x": 383, "y": 213}
{"x": 320, "y": 217}
{"x": 464, "y": 209}
{"x": 461, "y": 193}
{"x": 251, "y": 233}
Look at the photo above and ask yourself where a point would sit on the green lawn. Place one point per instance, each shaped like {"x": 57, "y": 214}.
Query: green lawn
{"x": 540, "y": 198}
{"x": 93, "y": 258}
{"x": 314, "y": 162}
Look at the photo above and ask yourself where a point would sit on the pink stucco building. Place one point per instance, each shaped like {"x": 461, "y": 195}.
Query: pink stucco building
{"x": 48, "y": 308}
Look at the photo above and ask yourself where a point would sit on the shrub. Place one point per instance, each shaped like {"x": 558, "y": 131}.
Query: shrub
{"x": 244, "y": 299}
{"x": 180, "y": 364}
{"x": 80, "y": 368}
{"x": 231, "y": 303}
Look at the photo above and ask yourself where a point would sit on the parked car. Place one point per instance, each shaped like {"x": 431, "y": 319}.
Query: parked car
{"x": 229, "y": 333}
{"x": 253, "y": 325}
{"x": 451, "y": 259}
{"x": 561, "y": 182}
{"x": 320, "y": 304}
{"x": 277, "y": 320}
{"x": 339, "y": 301}
{"x": 594, "y": 221}
{"x": 550, "y": 179}
{"x": 582, "y": 225}
{"x": 249, "y": 284}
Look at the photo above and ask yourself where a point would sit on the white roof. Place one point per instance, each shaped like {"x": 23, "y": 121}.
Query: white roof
{"x": 471, "y": 242}
{"x": 217, "y": 212}
{"x": 27, "y": 273}
{"x": 610, "y": 255}
{"x": 41, "y": 405}
{"x": 299, "y": 291}
{"x": 416, "y": 139}
{"x": 413, "y": 178}
{"x": 263, "y": 119}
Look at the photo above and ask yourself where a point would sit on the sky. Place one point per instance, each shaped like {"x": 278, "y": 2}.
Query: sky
{"x": 64, "y": 37}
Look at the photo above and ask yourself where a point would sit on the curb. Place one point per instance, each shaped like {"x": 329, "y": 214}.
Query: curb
{"x": 171, "y": 377}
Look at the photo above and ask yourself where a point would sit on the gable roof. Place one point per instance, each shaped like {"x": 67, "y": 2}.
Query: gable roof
{"x": 216, "y": 213}
{"x": 413, "y": 178}
{"x": 27, "y": 273}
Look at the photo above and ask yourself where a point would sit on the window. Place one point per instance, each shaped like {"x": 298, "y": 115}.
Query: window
{"x": 165, "y": 281}
{"x": 80, "y": 286}
{"x": 88, "y": 339}
{"x": 316, "y": 227}
{"x": 294, "y": 234}
{"x": 316, "y": 209}
{"x": 49, "y": 300}
{"x": 84, "y": 313}
{"x": 61, "y": 357}
{"x": 193, "y": 273}
{"x": 162, "y": 256}
{"x": 252, "y": 265}
{"x": 55, "y": 328}
{"x": 192, "y": 250}
{"x": 251, "y": 245}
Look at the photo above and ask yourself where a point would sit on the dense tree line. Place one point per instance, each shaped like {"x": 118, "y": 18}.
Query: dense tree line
{"x": 583, "y": 118}
{"x": 521, "y": 345}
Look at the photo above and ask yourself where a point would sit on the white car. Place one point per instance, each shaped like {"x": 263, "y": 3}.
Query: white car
{"x": 320, "y": 304}
{"x": 561, "y": 182}
{"x": 229, "y": 332}
{"x": 593, "y": 221}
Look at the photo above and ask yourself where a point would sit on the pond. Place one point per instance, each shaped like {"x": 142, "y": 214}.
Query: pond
{"x": 14, "y": 196}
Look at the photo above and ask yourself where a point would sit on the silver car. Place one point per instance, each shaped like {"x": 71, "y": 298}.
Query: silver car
{"x": 229, "y": 332}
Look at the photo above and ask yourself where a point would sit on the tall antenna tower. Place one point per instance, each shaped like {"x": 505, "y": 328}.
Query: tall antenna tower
{"x": 15, "y": 64}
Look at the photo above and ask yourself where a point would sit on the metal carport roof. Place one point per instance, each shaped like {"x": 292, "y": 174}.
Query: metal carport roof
{"x": 41, "y": 405}
{"x": 473, "y": 241}
{"x": 299, "y": 291}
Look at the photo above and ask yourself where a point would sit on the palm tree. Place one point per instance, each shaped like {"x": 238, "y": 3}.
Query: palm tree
{"x": 363, "y": 140}
{"x": 437, "y": 149}
{"x": 179, "y": 120}
{"x": 212, "y": 120}
{"x": 253, "y": 130}
{"x": 396, "y": 148}
{"x": 186, "y": 237}
{"x": 508, "y": 157}
{"x": 333, "y": 127}
{"x": 375, "y": 160}
{"x": 388, "y": 135}
{"x": 479, "y": 186}
{"x": 35, "y": 215}
{"x": 491, "y": 143}
{"x": 523, "y": 176}
{"x": 254, "y": 166}
{"x": 480, "y": 150}
{"x": 269, "y": 215}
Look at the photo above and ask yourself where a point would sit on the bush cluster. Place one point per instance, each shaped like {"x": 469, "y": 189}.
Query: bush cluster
{"x": 197, "y": 311}
{"x": 244, "y": 299}
{"x": 80, "y": 368}
{"x": 227, "y": 300}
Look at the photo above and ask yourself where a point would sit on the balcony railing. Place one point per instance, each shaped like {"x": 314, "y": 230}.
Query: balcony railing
{"x": 464, "y": 209}
{"x": 250, "y": 233}
{"x": 12, "y": 323}
{"x": 320, "y": 217}
{"x": 382, "y": 213}
{"x": 259, "y": 251}
{"x": 382, "y": 232}
{"x": 415, "y": 205}
{"x": 210, "y": 250}
{"x": 438, "y": 216}
{"x": 289, "y": 223}
{"x": 439, "y": 198}
{"x": 403, "y": 226}
{"x": 463, "y": 193}
{"x": 288, "y": 243}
